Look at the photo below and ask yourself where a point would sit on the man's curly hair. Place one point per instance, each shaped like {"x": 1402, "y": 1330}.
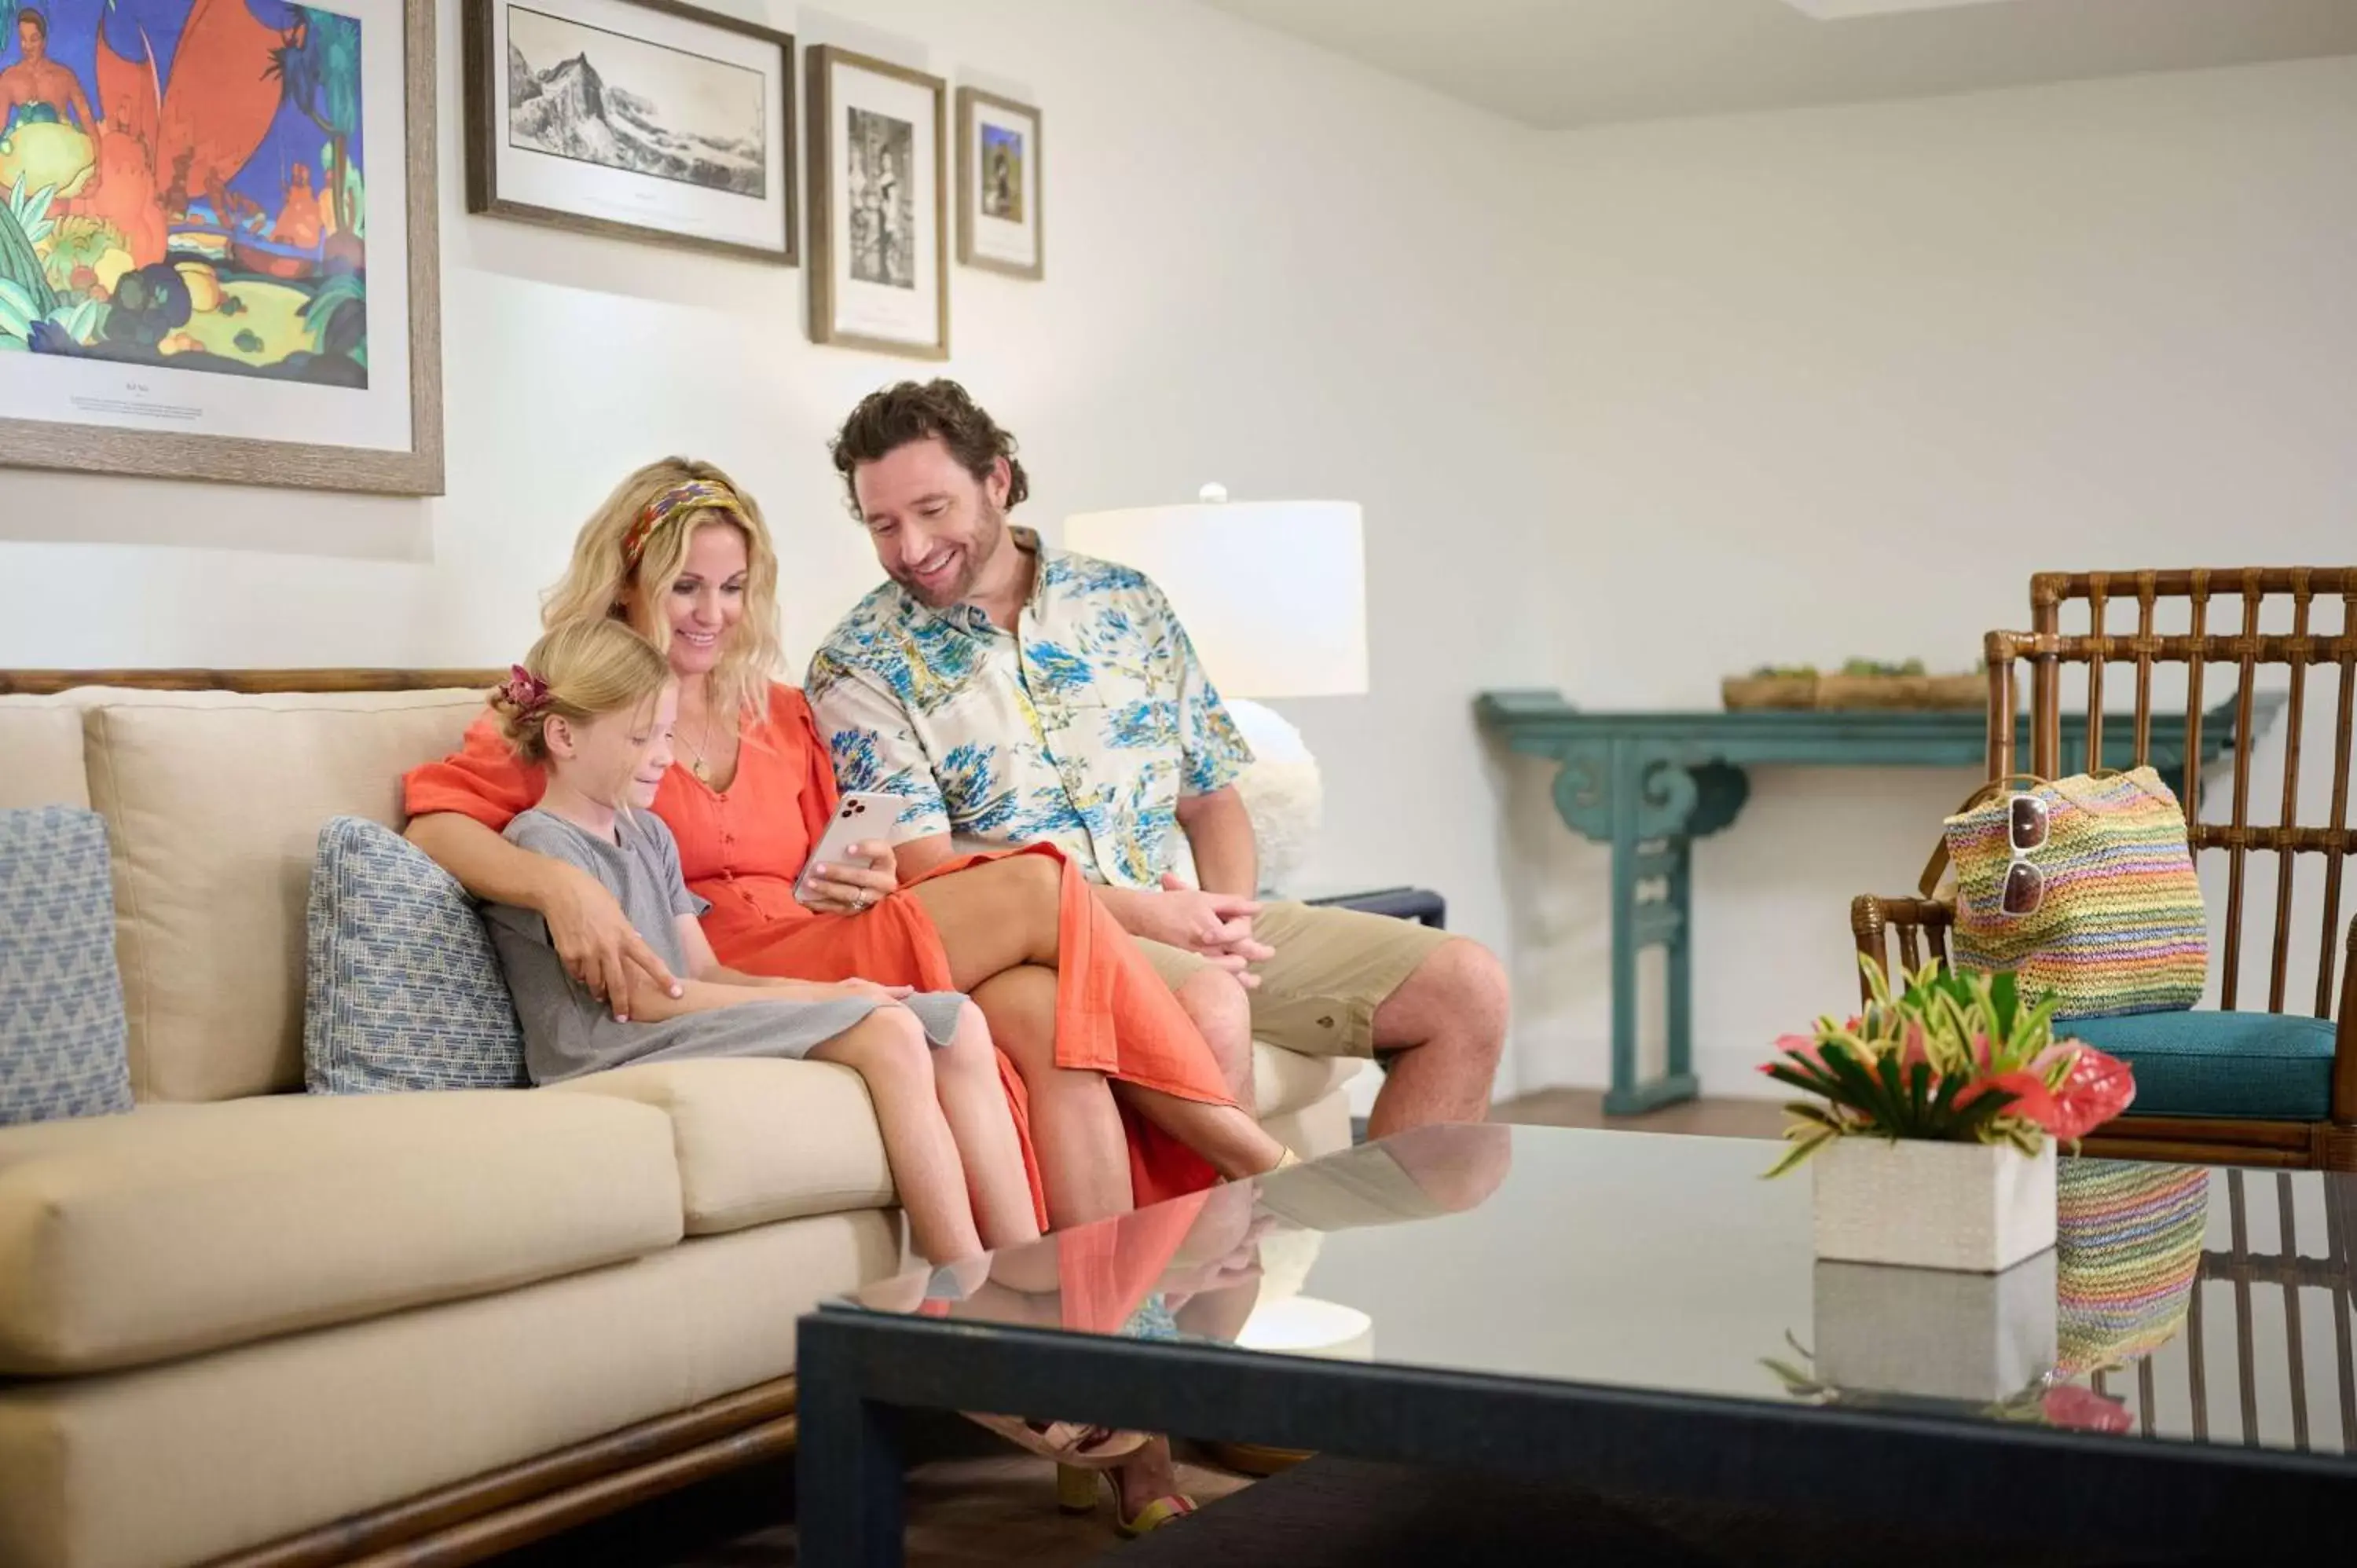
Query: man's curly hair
{"x": 888, "y": 420}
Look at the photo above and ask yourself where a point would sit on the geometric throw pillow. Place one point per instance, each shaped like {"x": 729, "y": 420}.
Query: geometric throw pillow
{"x": 63, "y": 1048}
{"x": 402, "y": 989}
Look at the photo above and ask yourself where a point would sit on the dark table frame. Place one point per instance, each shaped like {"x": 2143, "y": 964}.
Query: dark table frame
{"x": 2121, "y": 1496}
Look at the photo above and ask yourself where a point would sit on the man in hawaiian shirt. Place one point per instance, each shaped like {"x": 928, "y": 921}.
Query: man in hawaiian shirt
{"x": 1014, "y": 693}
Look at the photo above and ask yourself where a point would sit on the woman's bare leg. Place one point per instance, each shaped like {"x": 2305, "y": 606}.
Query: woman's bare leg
{"x": 966, "y": 1081}
{"x": 1234, "y": 1143}
{"x": 887, "y": 1049}
{"x": 1075, "y": 1126}
{"x": 995, "y": 916}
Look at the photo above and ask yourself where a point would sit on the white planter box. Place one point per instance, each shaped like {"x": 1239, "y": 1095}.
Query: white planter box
{"x": 1935, "y": 1333}
{"x": 1981, "y": 1207}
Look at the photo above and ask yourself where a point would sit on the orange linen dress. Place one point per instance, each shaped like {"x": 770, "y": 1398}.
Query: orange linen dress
{"x": 742, "y": 847}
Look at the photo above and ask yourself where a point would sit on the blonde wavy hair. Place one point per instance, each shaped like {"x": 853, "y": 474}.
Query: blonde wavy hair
{"x": 604, "y": 582}
{"x": 576, "y": 671}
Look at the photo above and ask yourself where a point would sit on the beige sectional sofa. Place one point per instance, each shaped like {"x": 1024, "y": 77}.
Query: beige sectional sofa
{"x": 246, "y": 1324}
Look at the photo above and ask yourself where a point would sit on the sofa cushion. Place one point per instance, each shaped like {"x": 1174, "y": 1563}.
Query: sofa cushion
{"x": 124, "y": 1240}
{"x": 62, "y": 1045}
{"x": 402, "y": 988}
{"x": 205, "y": 1458}
{"x": 214, "y": 801}
{"x": 1286, "y": 1082}
{"x": 2265, "y": 1065}
{"x": 41, "y": 738}
{"x": 758, "y": 1140}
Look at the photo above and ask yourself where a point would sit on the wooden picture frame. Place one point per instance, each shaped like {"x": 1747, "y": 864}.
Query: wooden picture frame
{"x": 1002, "y": 211}
{"x": 103, "y": 345}
{"x": 858, "y": 266}
{"x": 690, "y": 206}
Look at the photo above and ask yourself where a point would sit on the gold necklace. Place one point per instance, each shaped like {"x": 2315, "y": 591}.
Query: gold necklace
{"x": 701, "y": 766}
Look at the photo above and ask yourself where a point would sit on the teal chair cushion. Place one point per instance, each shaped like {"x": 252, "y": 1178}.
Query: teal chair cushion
{"x": 2265, "y": 1065}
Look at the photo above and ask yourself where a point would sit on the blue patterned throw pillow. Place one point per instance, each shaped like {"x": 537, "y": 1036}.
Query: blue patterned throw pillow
{"x": 402, "y": 989}
{"x": 63, "y": 1048}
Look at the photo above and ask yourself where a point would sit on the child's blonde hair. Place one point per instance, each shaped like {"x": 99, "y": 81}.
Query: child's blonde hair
{"x": 578, "y": 671}
{"x": 638, "y": 541}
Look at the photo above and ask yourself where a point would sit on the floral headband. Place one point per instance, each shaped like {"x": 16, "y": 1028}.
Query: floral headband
{"x": 695, "y": 495}
{"x": 524, "y": 692}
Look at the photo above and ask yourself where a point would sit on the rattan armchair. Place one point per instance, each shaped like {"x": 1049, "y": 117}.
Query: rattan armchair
{"x": 2317, "y": 1124}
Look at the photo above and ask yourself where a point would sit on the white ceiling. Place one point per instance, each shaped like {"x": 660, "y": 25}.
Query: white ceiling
{"x": 1581, "y": 62}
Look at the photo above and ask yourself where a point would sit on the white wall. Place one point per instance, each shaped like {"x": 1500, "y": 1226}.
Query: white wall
{"x": 1832, "y": 383}
{"x": 1264, "y": 266}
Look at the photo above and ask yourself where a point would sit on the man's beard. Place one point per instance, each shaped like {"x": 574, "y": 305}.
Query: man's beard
{"x": 980, "y": 552}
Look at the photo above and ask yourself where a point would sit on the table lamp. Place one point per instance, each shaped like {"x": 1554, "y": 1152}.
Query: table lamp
{"x": 1274, "y": 595}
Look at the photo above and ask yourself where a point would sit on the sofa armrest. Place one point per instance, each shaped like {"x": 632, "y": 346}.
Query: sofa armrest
{"x": 1919, "y": 926}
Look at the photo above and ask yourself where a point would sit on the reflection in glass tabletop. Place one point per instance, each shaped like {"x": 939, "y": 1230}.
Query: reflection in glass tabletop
{"x": 2180, "y": 1301}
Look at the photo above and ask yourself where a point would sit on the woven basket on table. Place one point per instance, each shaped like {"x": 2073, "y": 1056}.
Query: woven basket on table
{"x": 1854, "y": 691}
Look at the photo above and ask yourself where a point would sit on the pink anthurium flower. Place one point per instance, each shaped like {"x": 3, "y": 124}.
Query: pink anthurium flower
{"x": 2096, "y": 1089}
{"x": 1804, "y": 1047}
{"x": 2032, "y": 1098}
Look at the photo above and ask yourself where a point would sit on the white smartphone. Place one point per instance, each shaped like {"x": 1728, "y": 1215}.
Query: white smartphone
{"x": 859, "y": 818}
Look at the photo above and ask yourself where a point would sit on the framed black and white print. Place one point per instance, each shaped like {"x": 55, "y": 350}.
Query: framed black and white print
{"x": 636, "y": 119}
{"x": 880, "y": 208}
{"x": 998, "y": 184}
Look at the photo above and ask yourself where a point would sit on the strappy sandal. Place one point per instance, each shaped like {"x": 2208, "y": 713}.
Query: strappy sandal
{"x": 1076, "y": 1493}
{"x": 1084, "y": 1449}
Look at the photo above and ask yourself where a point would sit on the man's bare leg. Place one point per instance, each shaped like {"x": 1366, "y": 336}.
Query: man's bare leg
{"x": 1443, "y": 1030}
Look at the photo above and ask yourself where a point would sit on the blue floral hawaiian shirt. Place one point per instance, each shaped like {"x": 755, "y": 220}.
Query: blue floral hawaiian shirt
{"x": 1083, "y": 728}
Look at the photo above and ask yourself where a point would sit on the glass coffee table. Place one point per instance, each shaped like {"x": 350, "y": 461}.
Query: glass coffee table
{"x": 1641, "y": 1314}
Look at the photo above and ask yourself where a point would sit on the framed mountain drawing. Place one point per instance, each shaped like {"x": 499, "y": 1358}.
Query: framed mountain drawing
{"x": 637, "y": 119}
{"x": 879, "y": 206}
{"x": 217, "y": 242}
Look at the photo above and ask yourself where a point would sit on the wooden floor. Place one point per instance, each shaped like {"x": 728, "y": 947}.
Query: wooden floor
{"x": 977, "y": 1505}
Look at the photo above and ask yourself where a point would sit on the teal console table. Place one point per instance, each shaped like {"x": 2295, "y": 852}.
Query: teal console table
{"x": 1649, "y": 784}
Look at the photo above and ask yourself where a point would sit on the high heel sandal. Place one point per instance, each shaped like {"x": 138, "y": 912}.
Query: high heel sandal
{"x": 1076, "y": 1492}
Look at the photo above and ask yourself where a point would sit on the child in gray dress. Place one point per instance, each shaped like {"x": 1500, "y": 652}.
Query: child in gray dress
{"x": 593, "y": 704}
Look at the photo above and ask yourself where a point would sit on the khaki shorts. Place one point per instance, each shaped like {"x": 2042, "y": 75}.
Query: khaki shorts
{"x": 1333, "y": 967}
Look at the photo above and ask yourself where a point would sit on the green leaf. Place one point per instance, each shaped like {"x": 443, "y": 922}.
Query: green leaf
{"x": 16, "y": 312}
{"x": 1864, "y": 1089}
{"x": 1802, "y": 1147}
{"x": 1806, "y": 1111}
{"x": 1805, "y": 1081}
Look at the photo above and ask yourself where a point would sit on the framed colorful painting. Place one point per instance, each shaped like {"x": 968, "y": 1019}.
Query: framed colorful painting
{"x": 217, "y": 242}
{"x": 879, "y": 206}
{"x": 637, "y": 119}
{"x": 998, "y": 185}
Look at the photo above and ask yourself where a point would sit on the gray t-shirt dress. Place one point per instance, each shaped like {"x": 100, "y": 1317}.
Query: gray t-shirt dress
{"x": 568, "y": 1032}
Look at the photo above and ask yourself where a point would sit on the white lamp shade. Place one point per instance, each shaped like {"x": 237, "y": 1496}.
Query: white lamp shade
{"x": 1274, "y": 594}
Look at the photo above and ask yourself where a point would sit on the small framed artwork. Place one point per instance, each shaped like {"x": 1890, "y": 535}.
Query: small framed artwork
{"x": 879, "y": 206}
{"x": 218, "y": 242}
{"x": 635, "y": 119}
{"x": 998, "y": 184}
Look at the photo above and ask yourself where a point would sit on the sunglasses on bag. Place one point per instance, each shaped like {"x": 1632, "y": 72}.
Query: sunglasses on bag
{"x": 2025, "y": 884}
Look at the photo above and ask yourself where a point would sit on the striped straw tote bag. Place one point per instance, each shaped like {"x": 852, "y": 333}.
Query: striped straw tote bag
{"x": 2083, "y": 887}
